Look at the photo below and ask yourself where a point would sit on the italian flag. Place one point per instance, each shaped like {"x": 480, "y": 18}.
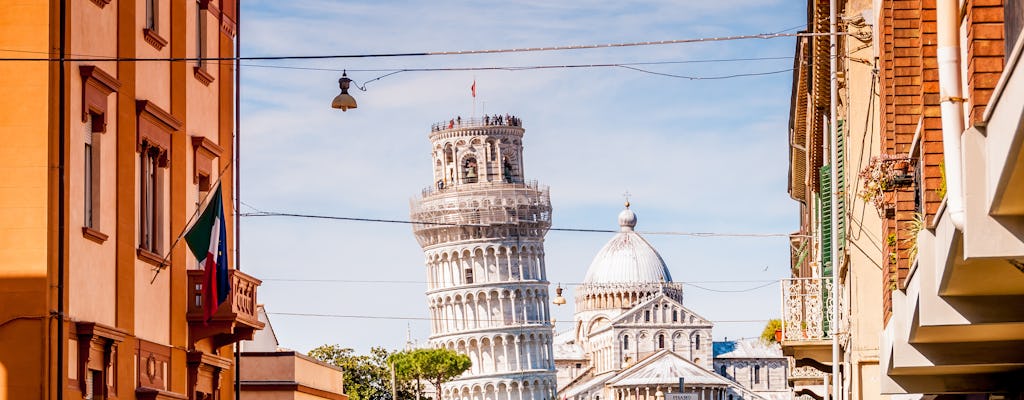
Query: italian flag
{"x": 208, "y": 241}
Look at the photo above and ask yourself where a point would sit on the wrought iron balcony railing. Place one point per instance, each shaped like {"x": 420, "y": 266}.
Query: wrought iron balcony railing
{"x": 806, "y": 309}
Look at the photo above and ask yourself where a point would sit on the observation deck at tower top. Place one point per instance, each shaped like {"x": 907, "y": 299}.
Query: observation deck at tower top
{"x": 480, "y": 122}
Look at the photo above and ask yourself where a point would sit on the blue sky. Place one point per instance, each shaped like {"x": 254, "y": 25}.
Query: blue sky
{"x": 696, "y": 155}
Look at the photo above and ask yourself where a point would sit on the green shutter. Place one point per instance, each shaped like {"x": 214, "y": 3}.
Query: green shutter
{"x": 825, "y": 199}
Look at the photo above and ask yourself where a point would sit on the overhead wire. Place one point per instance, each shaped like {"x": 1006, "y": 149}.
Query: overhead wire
{"x": 765, "y": 283}
{"x": 405, "y": 318}
{"x": 586, "y": 230}
{"x": 762, "y": 36}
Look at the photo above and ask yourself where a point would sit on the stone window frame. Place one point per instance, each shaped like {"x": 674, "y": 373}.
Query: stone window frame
{"x": 97, "y": 85}
{"x": 205, "y": 9}
{"x": 97, "y": 355}
{"x": 151, "y": 28}
{"x": 154, "y": 130}
{"x": 204, "y": 151}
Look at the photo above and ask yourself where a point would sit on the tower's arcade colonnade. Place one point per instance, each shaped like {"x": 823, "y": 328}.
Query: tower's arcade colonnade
{"x": 482, "y": 227}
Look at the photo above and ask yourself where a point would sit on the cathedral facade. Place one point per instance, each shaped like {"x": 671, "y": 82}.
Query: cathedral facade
{"x": 481, "y": 226}
{"x": 634, "y": 340}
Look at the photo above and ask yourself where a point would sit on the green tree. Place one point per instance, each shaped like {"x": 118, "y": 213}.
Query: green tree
{"x": 367, "y": 377}
{"x": 438, "y": 366}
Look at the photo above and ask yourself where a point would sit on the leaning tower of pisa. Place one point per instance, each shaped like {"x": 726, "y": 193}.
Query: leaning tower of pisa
{"x": 482, "y": 227}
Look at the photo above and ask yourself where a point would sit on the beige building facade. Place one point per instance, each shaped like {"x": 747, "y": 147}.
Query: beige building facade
{"x": 930, "y": 277}
{"x": 103, "y": 164}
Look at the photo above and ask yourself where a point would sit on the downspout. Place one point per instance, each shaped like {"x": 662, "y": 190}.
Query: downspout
{"x": 61, "y": 202}
{"x": 951, "y": 97}
{"x": 834, "y": 203}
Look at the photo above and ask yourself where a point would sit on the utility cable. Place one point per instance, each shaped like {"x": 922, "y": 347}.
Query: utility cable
{"x": 398, "y": 221}
{"x": 762, "y": 36}
{"x": 402, "y": 318}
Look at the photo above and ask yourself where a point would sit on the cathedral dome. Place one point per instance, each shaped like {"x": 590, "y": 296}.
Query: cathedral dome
{"x": 627, "y": 258}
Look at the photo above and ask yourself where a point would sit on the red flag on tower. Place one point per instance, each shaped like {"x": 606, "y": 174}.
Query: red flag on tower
{"x": 473, "y": 88}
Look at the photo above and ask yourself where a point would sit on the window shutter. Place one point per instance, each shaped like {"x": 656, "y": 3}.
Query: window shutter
{"x": 840, "y": 197}
{"x": 825, "y": 196}
{"x": 825, "y": 199}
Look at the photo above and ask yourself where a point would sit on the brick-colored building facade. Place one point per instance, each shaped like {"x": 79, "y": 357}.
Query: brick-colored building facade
{"x": 108, "y": 150}
{"x": 935, "y": 258}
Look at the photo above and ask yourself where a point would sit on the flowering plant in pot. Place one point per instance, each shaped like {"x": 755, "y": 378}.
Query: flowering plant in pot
{"x": 882, "y": 175}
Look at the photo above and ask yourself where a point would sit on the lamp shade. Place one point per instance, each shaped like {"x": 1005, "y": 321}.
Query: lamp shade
{"x": 344, "y": 101}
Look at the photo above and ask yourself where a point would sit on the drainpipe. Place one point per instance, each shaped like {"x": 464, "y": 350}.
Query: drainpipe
{"x": 62, "y": 102}
{"x": 834, "y": 203}
{"x": 951, "y": 97}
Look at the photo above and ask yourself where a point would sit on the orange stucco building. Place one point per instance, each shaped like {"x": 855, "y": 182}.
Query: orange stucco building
{"x": 106, "y": 155}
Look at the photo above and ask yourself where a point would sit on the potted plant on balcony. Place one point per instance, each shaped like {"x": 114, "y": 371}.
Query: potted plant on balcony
{"x": 881, "y": 177}
{"x": 772, "y": 332}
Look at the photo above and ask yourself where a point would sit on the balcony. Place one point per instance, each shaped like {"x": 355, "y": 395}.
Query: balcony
{"x": 807, "y": 321}
{"x": 958, "y": 327}
{"x": 235, "y": 319}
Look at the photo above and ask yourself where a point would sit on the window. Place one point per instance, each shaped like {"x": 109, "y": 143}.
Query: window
{"x": 149, "y": 198}
{"x": 152, "y": 11}
{"x": 96, "y": 89}
{"x": 661, "y": 341}
{"x": 696, "y": 341}
{"x": 647, "y": 315}
{"x": 757, "y": 374}
{"x": 625, "y": 342}
{"x": 675, "y": 315}
{"x": 93, "y": 385}
{"x": 90, "y": 175}
{"x": 155, "y": 127}
{"x": 721, "y": 371}
{"x": 200, "y": 34}
{"x": 469, "y": 171}
{"x": 469, "y": 275}
{"x": 95, "y": 370}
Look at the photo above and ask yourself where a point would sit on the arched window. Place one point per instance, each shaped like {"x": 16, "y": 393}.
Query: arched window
{"x": 661, "y": 341}
{"x": 696, "y": 341}
{"x": 469, "y": 171}
{"x": 757, "y": 374}
{"x": 675, "y": 316}
{"x": 647, "y": 315}
{"x": 722, "y": 371}
{"x": 625, "y": 342}
{"x": 509, "y": 173}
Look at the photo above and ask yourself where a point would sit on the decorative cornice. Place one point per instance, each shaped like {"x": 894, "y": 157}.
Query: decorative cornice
{"x": 94, "y": 235}
{"x": 96, "y": 86}
{"x": 155, "y": 125}
{"x": 202, "y": 76}
{"x": 204, "y": 151}
{"x": 94, "y": 329}
{"x": 154, "y": 39}
{"x": 198, "y": 357}
{"x": 101, "y": 3}
{"x": 150, "y": 257}
{"x": 148, "y": 107}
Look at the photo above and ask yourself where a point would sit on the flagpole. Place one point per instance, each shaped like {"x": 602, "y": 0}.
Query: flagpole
{"x": 474, "y": 96}
{"x": 188, "y": 224}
